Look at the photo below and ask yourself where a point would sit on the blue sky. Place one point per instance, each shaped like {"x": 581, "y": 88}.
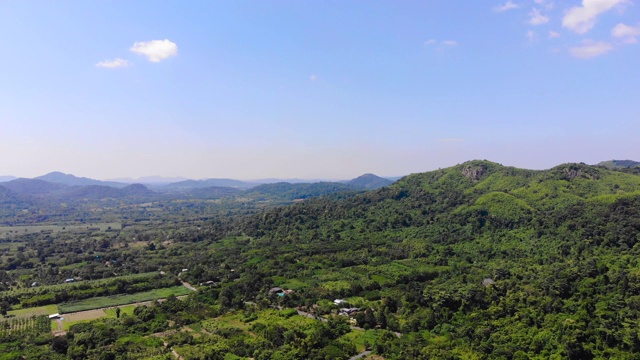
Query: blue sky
{"x": 314, "y": 89}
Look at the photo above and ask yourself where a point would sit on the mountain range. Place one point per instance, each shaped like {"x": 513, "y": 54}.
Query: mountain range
{"x": 62, "y": 187}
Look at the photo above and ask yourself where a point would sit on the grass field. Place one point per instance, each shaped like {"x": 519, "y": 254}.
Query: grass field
{"x": 109, "y": 301}
{"x": 9, "y": 231}
{"x": 29, "y": 312}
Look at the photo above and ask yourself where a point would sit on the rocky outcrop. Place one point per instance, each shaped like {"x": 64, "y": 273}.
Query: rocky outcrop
{"x": 474, "y": 172}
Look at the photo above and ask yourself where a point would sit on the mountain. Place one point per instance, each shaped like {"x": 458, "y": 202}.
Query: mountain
{"x": 71, "y": 180}
{"x": 478, "y": 260}
{"x": 619, "y": 164}
{"x": 34, "y": 187}
{"x": 198, "y": 184}
{"x": 96, "y": 192}
{"x": 369, "y": 182}
{"x": 7, "y": 178}
{"x": 155, "y": 180}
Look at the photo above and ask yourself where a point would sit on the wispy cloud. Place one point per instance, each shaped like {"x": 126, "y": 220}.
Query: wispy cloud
{"x": 590, "y": 49}
{"x": 537, "y": 18}
{"x": 433, "y": 42}
{"x": 155, "y": 50}
{"x": 313, "y": 77}
{"x": 112, "y": 64}
{"x": 581, "y": 19}
{"x": 531, "y": 35}
{"x": 509, "y": 5}
{"x": 628, "y": 34}
{"x": 553, "y": 34}
{"x": 547, "y": 4}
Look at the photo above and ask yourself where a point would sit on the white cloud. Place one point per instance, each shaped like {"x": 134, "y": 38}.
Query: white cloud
{"x": 313, "y": 77}
{"x": 581, "y": 19}
{"x": 431, "y": 42}
{"x": 590, "y": 49}
{"x": 450, "y": 43}
{"x": 155, "y": 50}
{"x": 112, "y": 64}
{"x": 553, "y": 34}
{"x": 536, "y": 18}
{"x": 628, "y": 33}
{"x": 509, "y": 5}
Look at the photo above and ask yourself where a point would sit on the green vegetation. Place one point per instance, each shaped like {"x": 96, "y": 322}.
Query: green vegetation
{"x": 477, "y": 261}
{"x": 107, "y": 301}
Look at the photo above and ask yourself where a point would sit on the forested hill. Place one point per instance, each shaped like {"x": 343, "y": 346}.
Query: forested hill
{"x": 473, "y": 261}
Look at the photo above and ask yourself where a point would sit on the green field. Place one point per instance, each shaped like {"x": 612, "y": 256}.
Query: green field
{"x": 76, "y": 284}
{"x": 108, "y": 301}
{"x": 9, "y": 231}
{"x": 29, "y": 312}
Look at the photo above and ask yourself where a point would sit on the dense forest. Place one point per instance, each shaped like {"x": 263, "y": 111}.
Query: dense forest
{"x": 476, "y": 261}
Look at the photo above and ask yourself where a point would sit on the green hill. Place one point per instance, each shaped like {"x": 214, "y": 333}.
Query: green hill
{"x": 559, "y": 246}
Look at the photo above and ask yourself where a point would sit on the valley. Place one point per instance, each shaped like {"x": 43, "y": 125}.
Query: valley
{"x": 474, "y": 261}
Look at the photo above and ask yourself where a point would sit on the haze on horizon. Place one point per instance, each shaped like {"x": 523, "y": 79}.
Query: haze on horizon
{"x": 283, "y": 89}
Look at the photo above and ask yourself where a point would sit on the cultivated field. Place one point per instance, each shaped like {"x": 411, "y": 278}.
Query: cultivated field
{"x": 116, "y": 300}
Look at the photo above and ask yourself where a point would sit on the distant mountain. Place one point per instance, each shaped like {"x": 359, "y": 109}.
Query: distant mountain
{"x": 71, "y": 180}
{"x": 96, "y": 192}
{"x": 619, "y": 164}
{"x": 7, "y": 178}
{"x": 370, "y": 182}
{"x": 9, "y": 199}
{"x": 290, "y": 181}
{"x": 199, "y": 184}
{"x": 150, "y": 180}
{"x": 213, "y": 192}
{"x": 393, "y": 178}
{"x": 34, "y": 187}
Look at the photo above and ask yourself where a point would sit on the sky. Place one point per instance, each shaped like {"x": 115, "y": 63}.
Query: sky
{"x": 314, "y": 89}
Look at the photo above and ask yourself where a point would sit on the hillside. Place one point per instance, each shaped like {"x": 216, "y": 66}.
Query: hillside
{"x": 212, "y": 192}
{"x": 288, "y": 192}
{"x": 7, "y": 178}
{"x": 369, "y": 182}
{"x": 199, "y": 184}
{"x": 34, "y": 187}
{"x": 474, "y": 260}
{"x": 96, "y": 192}
{"x": 619, "y": 164}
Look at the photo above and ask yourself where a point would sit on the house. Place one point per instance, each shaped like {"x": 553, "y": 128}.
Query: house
{"x": 288, "y": 292}
{"x": 339, "y": 301}
{"x": 70, "y": 280}
{"x": 275, "y": 290}
{"x": 348, "y": 311}
{"x": 54, "y": 316}
{"x": 35, "y": 283}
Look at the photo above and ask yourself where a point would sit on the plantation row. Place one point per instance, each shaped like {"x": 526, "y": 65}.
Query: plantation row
{"x": 58, "y": 294}
{"x": 13, "y": 329}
